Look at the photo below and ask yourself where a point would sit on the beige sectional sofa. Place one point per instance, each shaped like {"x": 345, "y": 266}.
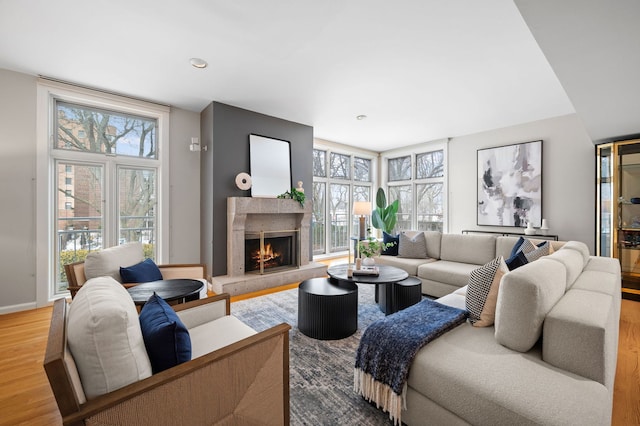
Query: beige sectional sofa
{"x": 549, "y": 359}
{"x": 451, "y": 258}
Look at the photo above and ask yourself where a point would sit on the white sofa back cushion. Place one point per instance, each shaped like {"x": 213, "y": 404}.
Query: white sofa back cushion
{"x": 526, "y": 295}
{"x": 474, "y": 249}
{"x": 572, "y": 261}
{"x": 104, "y": 337}
{"x": 581, "y": 248}
{"x": 107, "y": 262}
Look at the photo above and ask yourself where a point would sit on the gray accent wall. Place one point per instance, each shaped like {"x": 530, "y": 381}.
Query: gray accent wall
{"x": 225, "y": 131}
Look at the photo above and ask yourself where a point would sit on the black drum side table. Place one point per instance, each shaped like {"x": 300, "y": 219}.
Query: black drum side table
{"x": 327, "y": 309}
{"x": 407, "y": 292}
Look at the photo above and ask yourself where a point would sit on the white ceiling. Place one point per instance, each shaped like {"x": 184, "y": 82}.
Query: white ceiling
{"x": 419, "y": 69}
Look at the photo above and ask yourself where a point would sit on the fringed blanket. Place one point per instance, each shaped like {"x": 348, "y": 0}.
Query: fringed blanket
{"x": 387, "y": 349}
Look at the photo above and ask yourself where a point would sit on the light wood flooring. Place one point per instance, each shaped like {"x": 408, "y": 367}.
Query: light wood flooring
{"x": 26, "y": 399}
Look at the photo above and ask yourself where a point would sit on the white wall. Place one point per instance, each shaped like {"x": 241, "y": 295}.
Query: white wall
{"x": 17, "y": 190}
{"x": 568, "y": 179}
{"x": 184, "y": 167}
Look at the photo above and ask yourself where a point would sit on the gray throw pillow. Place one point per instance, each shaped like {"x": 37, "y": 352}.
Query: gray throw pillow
{"x": 415, "y": 247}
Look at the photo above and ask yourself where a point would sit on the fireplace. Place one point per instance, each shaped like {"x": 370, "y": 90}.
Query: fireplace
{"x": 247, "y": 219}
{"x": 271, "y": 251}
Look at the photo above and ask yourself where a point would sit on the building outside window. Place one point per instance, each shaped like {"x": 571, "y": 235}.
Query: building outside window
{"x": 340, "y": 178}
{"x": 107, "y": 179}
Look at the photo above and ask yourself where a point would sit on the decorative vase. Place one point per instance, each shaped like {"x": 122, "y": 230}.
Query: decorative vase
{"x": 529, "y": 230}
{"x": 368, "y": 261}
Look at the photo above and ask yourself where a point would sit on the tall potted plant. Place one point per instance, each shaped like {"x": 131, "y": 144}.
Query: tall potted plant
{"x": 384, "y": 216}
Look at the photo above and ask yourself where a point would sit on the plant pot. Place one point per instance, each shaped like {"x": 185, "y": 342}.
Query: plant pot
{"x": 368, "y": 261}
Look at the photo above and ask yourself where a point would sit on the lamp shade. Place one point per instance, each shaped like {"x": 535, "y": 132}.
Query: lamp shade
{"x": 362, "y": 208}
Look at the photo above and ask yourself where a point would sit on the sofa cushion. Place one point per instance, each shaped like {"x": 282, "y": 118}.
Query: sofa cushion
{"x": 469, "y": 374}
{"x": 143, "y": 272}
{"x": 477, "y": 249}
{"x": 107, "y": 262}
{"x": 405, "y": 263}
{"x": 444, "y": 271}
{"x": 526, "y": 295}
{"x": 165, "y": 336}
{"x": 414, "y": 247}
{"x": 434, "y": 240}
{"x": 213, "y": 335}
{"x": 582, "y": 322}
{"x": 572, "y": 261}
{"x": 482, "y": 292}
{"x": 581, "y": 248}
{"x": 386, "y": 239}
{"x": 104, "y": 337}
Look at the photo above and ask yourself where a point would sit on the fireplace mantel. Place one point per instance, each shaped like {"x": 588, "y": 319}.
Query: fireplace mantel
{"x": 248, "y": 214}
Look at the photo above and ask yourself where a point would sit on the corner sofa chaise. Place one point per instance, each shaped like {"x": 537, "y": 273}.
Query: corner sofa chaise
{"x": 550, "y": 358}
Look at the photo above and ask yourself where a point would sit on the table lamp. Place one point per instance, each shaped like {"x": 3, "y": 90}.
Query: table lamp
{"x": 361, "y": 208}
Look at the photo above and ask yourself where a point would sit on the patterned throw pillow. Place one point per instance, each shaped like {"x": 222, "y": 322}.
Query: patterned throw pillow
{"x": 482, "y": 292}
{"x": 538, "y": 252}
{"x": 393, "y": 250}
{"x": 415, "y": 248}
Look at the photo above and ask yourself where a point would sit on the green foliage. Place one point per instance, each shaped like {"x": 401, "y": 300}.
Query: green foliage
{"x": 294, "y": 194}
{"x": 384, "y": 217}
{"x": 372, "y": 247}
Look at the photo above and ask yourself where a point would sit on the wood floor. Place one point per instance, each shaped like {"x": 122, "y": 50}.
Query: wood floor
{"x": 26, "y": 399}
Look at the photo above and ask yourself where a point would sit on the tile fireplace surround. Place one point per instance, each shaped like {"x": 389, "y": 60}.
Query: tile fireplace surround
{"x": 247, "y": 214}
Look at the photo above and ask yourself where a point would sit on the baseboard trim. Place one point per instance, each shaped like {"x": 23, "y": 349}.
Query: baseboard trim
{"x": 17, "y": 308}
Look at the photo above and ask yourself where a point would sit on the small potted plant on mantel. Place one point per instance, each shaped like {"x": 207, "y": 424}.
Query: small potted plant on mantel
{"x": 371, "y": 247}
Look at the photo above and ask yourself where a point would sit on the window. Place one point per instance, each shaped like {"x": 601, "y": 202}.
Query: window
{"x": 419, "y": 189}
{"x": 349, "y": 179}
{"x": 107, "y": 181}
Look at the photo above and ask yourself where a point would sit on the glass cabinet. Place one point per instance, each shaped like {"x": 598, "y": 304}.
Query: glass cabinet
{"x": 618, "y": 209}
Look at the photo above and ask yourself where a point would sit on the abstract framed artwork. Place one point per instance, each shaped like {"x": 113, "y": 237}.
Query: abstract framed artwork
{"x": 510, "y": 185}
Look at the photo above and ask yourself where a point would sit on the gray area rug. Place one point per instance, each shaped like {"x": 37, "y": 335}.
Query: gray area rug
{"x": 321, "y": 371}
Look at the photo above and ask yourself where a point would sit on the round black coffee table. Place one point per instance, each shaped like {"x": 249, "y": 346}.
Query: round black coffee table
{"x": 388, "y": 276}
{"x": 181, "y": 289}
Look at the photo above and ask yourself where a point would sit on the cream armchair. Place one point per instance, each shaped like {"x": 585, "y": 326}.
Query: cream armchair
{"x": 244, "y": 381}
{"x": 108, "y": 261}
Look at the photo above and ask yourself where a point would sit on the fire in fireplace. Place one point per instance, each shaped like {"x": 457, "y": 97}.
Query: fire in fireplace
{"x": 269, "y": 253}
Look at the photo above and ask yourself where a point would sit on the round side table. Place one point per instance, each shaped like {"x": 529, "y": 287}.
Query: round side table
{"x": 327, "y": 309}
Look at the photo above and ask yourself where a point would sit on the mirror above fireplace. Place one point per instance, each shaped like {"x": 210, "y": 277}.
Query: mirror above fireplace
{"x": 270, "y": 166}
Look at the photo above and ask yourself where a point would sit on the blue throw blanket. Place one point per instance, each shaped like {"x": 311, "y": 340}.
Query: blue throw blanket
{"x": 388, "y": 346}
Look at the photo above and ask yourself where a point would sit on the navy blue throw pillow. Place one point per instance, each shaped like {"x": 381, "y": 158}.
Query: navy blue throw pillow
{"x": 516, "y": 246}
{"x": 165, "y": 336}
{"x": 393, "y": 250}
{"x": 516, "y": 261}
{"x": 143, "y": 272}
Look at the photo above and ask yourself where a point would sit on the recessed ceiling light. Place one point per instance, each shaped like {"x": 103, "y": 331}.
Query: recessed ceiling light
{"x": 361, "y": 117}
{"x": 198, "y": 63}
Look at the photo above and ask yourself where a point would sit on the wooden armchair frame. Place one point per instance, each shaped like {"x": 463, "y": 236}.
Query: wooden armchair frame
{"x": 76, "y": 277}
{"x": 246, "y": 382}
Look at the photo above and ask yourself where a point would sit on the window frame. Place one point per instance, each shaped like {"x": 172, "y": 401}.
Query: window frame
{"x": 413, "y": 151}
{"x": 352, "y": 182}
{"x": 47, "y": 92}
